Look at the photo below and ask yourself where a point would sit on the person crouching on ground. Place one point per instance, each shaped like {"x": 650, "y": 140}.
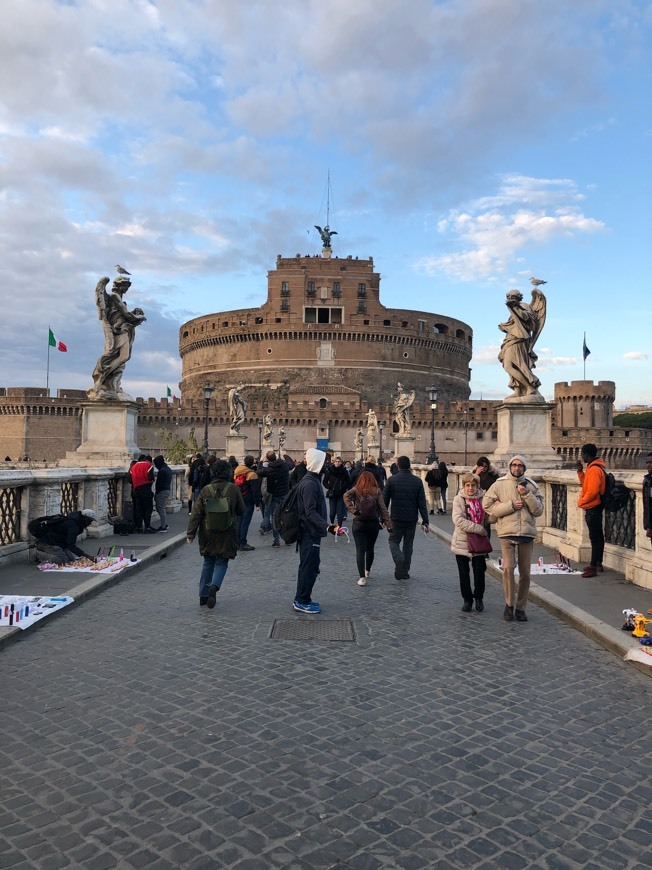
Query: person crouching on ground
{"x": 513, "y": 502}
{"x": 217, "y": 548}
{"x": 469, "y": 517}
{"x": 365, "y": 501}
{"x": 311, "y": 507}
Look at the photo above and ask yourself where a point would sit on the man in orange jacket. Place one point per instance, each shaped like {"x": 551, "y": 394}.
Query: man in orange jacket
{"x": 593, "y": 482}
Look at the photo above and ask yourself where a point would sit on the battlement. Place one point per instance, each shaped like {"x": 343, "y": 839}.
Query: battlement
{"x": 585, "y": 389}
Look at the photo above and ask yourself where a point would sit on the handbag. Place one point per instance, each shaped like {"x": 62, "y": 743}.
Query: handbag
{"x": 479, "y": 545}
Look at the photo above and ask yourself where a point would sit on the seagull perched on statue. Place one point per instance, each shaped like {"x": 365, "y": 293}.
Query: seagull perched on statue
{"x": 121, "y": 271}
{"x": 537, "y": 282}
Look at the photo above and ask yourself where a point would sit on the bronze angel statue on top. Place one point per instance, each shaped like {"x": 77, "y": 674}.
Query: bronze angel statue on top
{"x": 326, "y": 235}
{"x": 119, "y": 325}
{"x": 521, "y": 333}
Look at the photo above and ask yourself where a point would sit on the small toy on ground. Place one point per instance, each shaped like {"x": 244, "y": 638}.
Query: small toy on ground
{"x": 629, "y": 615}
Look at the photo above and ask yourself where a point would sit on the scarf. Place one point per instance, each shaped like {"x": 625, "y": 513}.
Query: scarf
{"x": 475, "y": 510}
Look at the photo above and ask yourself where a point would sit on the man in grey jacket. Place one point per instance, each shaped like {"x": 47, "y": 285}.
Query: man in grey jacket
{"x": 513, "y": 502}
{"x": 405, "y": 499}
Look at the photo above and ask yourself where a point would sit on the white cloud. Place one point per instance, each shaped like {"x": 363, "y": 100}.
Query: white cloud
{"x": 635, "y": 354}
{"x": 496, "y": 230}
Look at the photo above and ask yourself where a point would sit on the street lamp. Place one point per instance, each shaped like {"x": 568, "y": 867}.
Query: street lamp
{"x": 381, "y": 426}
{"x": 432, "y": 395}
{"x": 260, "y": 438}
{"x": 208, "y": 392}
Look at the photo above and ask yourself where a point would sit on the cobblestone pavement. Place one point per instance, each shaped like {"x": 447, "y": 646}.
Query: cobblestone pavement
{"x": 142, "y": 731}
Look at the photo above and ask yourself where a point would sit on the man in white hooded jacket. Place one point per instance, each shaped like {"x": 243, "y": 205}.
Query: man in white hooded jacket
{"x": 311, "y": 507}
{"x": 513, "y": 502}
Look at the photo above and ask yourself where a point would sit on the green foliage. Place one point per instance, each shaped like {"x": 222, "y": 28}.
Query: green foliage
{"x": 634, "y": 421}
{"x": 174, "y": 448}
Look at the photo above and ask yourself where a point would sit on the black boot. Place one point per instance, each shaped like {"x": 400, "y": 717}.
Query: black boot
{"x": 467, "y": 607}
{"x": 479, "y": 606}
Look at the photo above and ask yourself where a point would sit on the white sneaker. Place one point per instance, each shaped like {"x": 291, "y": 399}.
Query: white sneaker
{"x": 367, "y": 573}
{"x": 362, "y": 581}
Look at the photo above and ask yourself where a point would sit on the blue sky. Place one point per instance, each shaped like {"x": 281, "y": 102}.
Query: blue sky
{"x": 470, "y": 146}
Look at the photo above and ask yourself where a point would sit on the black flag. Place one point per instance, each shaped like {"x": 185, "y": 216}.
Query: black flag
{"x": 585, "y": 350}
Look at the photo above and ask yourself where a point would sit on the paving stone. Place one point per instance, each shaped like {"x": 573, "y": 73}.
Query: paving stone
{"x": 206, "y": 745}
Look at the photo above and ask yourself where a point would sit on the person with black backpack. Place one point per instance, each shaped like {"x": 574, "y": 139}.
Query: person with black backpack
{"x": 593, "y": 481}
{"x": 56, "y": 536}
{"x": 365, "y": 501}
{"x": 214, "y": 516}
{"x": 311, "y": 510}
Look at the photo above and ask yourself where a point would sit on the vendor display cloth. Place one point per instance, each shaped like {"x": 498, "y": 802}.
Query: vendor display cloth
{"x": 21, "y": 611}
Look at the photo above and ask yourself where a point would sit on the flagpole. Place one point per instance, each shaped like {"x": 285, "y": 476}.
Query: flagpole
{"x": 584, "y": 355}
{"x": 47, "y": 371}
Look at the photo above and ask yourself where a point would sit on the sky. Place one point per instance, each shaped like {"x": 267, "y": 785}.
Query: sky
{"x": 471, "y": 144}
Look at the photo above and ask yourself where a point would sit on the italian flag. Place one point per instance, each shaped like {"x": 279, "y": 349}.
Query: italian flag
{"x": 171, "y": 394}
{"x": 52, "y": 342}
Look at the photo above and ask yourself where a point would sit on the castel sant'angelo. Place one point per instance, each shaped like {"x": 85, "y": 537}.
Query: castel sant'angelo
{"x": 322, "y": 351}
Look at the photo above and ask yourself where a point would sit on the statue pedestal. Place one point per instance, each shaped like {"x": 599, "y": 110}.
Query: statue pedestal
{"x": 526, "y": 428}
{"x": 108, "y": 436}
{"x": 404, "y": 446}
{"x": 235, "y": 446}
{"x": 373, "y": 449}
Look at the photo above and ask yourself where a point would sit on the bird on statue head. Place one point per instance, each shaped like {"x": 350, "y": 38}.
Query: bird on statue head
{"x": 121, "y": 271}
{"x": 537, "y": 282}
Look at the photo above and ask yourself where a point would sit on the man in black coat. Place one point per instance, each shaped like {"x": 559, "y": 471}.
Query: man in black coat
{"x": 311, "y": 507}
{"x": 58, "y": 543}
{"x": 162, "y": 490}
{"x": 405, "y": 498}
{"x": 277, "y": 473}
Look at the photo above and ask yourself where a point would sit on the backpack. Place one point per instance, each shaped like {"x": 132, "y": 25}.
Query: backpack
{"x": 368, "y": 508}
{"x": 615, "y": 495}
{"x": 197, "y": 475}
{"x": 39, "y": 526}
{"x": 287, "y": 519}
{"x": 243, "y": 484}
{"x": 218, "y": 516}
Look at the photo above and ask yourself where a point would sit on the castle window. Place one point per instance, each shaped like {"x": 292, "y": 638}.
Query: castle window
{"x": 404, "y": 324}
{"x": 225, "y": 323}
{"x": 406, "y": 355}
{"x": 311, "y": 288}
{"x": 285, "y": 288}
{"x": 259, "y": 320}
{"x": 387, "y": 322}
{"x": 479, "y": 436}
{"x": 440, "y": 328}
{"x": 337, "y": 291}
{"x": 323, "y": 314}
{"x": 459, "y": 333}
{"x": 285, "y": 305}
{"x": 342, "y": 268}
{"x": 564, "y": 433}
{"x": 422, "y": 326}
{"x": 365, "y": 323}
{"x": 362, "y": 307}
{"x": 494, "y": 436}
{"x": 185, "y": 334}
{"x": 323, "y": 403}
{"x": 269, "y": 350}
{"x": 362, "y": 291}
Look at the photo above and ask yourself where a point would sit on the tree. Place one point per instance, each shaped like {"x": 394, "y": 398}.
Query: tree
{"x": 634, "y": 421}
{"x": 175, "y": 449}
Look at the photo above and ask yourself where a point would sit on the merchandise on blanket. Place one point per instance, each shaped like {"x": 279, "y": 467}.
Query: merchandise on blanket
{"x": 21, "y": 611}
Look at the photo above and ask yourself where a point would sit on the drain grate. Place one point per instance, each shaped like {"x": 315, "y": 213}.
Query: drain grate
{"x": 313, "y": 629}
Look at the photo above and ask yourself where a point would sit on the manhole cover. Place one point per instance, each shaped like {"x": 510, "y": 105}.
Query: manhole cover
{"x": 317, "y": 629}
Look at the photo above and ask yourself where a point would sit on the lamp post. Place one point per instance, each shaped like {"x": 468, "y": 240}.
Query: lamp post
{"x": 432, "y": 395}
{"x": 381, "y": 426}
{"x": 466, "y": 433}
{"x": 260, "y": 438}
{"x": 208, "y": 392}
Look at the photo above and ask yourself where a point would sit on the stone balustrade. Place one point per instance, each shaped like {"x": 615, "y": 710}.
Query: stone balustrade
{"x": 29, "y": 493}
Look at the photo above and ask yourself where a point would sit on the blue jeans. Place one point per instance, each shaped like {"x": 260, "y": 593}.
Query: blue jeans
{"x": 243, "y": 523}
{"x": 275, "y": 501}
{"x": 212, "y": 574}
{"x": 309, "y": 559}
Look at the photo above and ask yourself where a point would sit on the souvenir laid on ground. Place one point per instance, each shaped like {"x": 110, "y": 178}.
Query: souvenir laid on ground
{"x": 106, "y": 562}
{"x": 22, "y": 611}
{"x": 642, "y": 654}
{"x": 560, "y": 566}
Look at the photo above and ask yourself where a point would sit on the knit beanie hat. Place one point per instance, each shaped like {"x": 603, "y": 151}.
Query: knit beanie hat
{"x": 518, "y": 458}
{"x": 315, "y": 459}
{"x": 89, "y": 513}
